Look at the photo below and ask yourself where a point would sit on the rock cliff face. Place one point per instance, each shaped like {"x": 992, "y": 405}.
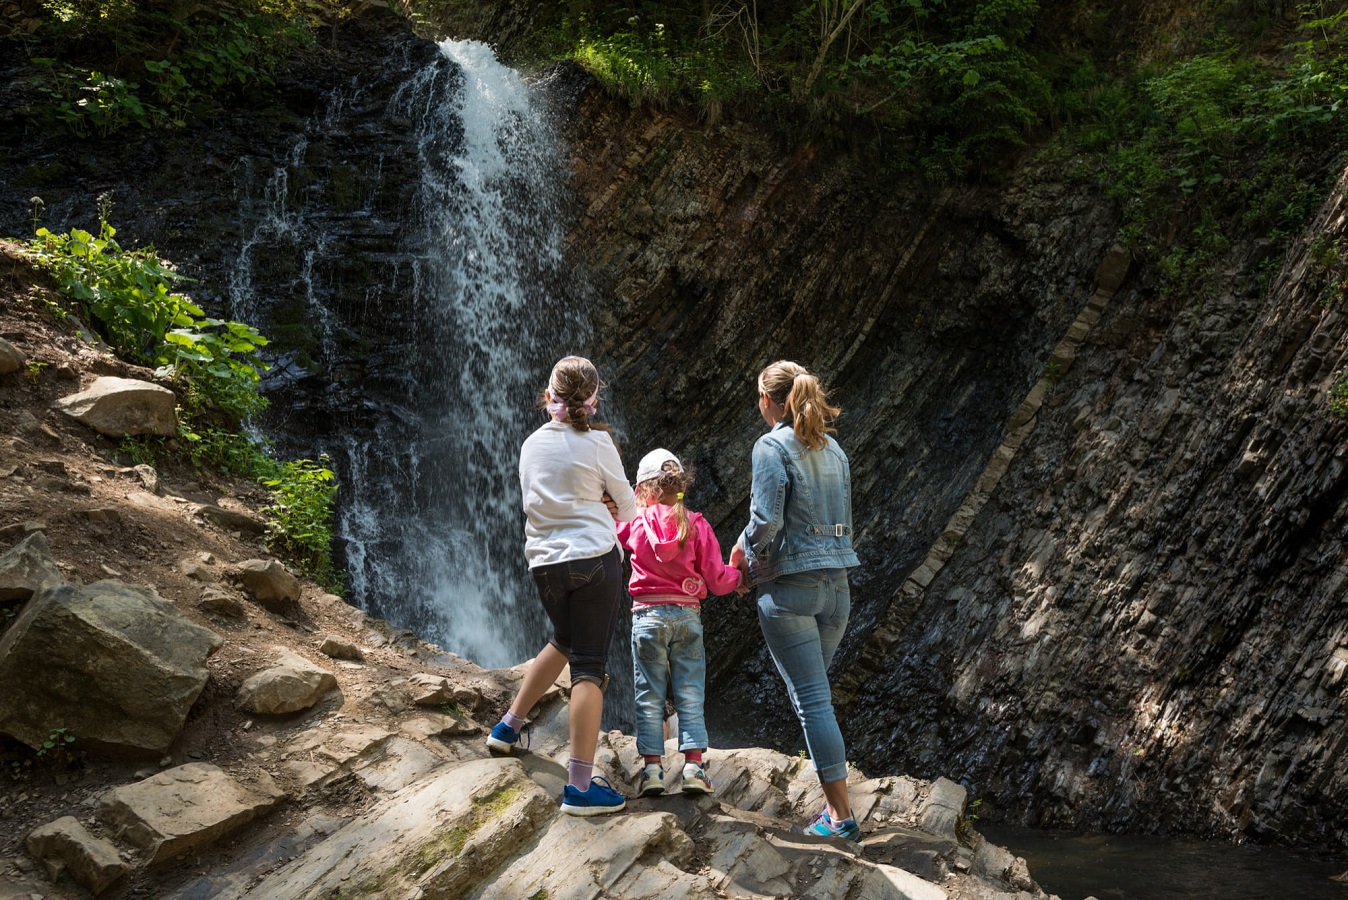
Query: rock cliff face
{"x": 1145, "y": 626}
{"x": 1142, "y": 626}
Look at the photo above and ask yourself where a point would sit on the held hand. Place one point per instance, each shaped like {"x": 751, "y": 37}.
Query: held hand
{"x": 611, "y": 504}
{"x": 737, "y": 559}
{"x": 743, "y": 587}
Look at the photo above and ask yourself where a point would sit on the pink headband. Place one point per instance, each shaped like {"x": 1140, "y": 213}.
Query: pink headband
{"x": 558, "y": 410}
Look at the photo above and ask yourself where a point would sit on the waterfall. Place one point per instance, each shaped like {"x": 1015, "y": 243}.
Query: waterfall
{"x": 432, "y": 521}
{"x": 471, "y": 309}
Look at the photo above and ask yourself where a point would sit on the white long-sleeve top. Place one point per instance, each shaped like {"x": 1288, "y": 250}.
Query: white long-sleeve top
{"x": 563, "y": 476}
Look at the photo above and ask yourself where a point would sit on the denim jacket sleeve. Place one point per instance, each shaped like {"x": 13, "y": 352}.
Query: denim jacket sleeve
{"x": 767, "y": 498}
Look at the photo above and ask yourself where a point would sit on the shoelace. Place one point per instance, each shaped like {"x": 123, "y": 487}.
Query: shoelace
{"x": 824, "y": 820}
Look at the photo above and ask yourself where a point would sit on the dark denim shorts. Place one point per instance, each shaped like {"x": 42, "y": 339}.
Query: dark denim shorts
{"x": 581, "y": 598}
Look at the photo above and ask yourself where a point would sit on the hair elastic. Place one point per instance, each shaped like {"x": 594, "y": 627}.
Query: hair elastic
{"x": 559, "y": 413}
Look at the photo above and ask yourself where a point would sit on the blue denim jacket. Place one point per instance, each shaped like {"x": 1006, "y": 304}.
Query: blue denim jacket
{"x": 800, "y": 508}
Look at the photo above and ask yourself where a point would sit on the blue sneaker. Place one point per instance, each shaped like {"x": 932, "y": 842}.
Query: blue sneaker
{"x": 597, "y": 799}
{"x": 825, "y": 825}
{"x": 503, "y": 738}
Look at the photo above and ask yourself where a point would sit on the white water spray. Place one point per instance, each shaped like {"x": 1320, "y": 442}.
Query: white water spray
{"x": 431, "y": 518}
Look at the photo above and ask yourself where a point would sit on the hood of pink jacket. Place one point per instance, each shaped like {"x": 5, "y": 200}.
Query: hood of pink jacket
{"x": 662, "y": 531}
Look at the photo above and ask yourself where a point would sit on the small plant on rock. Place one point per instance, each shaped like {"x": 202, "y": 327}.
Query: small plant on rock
{"x": 1338, "y": 397}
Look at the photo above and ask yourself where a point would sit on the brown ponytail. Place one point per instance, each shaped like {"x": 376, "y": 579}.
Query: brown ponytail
{"x": 799, "y": 393}
{"x": 573, "y": 381}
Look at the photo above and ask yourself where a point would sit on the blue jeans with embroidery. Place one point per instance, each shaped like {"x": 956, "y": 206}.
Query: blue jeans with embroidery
{"x": 803, "y": 617}
{"x": 668, "y": 658}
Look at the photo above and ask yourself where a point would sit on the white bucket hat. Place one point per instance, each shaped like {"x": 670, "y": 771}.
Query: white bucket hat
{"x": 653, "y": 463}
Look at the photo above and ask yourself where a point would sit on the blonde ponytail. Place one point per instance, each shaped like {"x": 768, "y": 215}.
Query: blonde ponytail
{"x": 799, "y": 393}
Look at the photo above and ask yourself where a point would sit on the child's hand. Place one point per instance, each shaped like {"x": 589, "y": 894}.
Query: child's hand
{"x": 743, "y": 587}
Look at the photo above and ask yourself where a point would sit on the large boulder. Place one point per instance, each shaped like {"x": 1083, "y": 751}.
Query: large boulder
{"x": 185, "y": 809}
{"x": 292, "y": 684}
{"x": 123, "y": 406}
{"x": 11, "y": 358}
{"x": 117, "y": 666}
{"x": 26, "y": 567}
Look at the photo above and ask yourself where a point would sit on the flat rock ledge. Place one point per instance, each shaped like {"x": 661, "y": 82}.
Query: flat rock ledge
{"x": 449, "y": 820}
{"x": 183, "y": 809}
{"x": 443, "y": 818}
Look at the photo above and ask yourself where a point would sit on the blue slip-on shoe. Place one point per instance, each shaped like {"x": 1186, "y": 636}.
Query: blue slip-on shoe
{"x": 503, "y": 738}
{"x": 825, "y": 826}
{"x": 596, "y": 800}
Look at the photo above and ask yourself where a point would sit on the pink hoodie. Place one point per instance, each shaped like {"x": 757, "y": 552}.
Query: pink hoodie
{"x": 664, "y": 572}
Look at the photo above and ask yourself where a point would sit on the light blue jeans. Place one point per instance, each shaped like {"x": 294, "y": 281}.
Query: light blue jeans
{"x": 668, "y": 658}
{"x": 803, "y": 617}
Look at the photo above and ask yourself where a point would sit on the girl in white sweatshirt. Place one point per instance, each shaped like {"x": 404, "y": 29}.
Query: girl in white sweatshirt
{"x": 566, "y": 468}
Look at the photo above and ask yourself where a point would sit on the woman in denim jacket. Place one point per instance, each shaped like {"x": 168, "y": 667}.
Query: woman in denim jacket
{"x": 796, "y": 550}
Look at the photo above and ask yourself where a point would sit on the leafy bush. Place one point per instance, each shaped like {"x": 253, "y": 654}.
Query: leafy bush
{"x": 127, "y": 295}
{"x": 1212, "y": 144}
{"x": 300, "y": 524}
{"x": 156, "y": 70}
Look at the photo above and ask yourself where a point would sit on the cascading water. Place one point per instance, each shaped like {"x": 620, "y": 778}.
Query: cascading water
{"x": 472, "y": 310}
{"x": 432, "y": 527}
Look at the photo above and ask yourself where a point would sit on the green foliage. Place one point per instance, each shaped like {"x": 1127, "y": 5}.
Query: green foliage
{"x": 954, "y": 74}
{"x": 1338, "y": 397}
{"x": 303, "y": 493}
{"x": 1203, "y": 147}
{"x": 87, "y": 102}
{"x": 216, "y": 367}
{"x": 57, "y": 743}
{"x": 128, "y": 295}
{"x": 57, "y": 750}
{"x": 156, "y": 68}
{"x": 647, "y": 64}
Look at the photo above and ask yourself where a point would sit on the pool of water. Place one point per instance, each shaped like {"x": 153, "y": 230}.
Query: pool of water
{"x": 1142, "y": 867}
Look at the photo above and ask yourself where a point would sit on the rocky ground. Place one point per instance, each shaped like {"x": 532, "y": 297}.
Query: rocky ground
{"x": 379, "y": 783}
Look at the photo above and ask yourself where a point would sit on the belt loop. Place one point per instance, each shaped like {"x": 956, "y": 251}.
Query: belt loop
{"x": 840, "y": 530}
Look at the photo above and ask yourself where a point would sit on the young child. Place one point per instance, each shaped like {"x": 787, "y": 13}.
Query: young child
{"x": 675, "y": 562}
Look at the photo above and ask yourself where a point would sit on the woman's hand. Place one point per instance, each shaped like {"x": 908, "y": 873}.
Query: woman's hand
{"x": 611, "y": 504}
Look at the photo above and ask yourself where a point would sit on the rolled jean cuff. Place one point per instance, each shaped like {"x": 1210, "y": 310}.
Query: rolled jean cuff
{"x": 832, "y": 772}
{"x": 601, "y": 680}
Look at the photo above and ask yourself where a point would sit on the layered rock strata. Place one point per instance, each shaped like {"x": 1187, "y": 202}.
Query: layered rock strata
{"x": 1146, "y": 622}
